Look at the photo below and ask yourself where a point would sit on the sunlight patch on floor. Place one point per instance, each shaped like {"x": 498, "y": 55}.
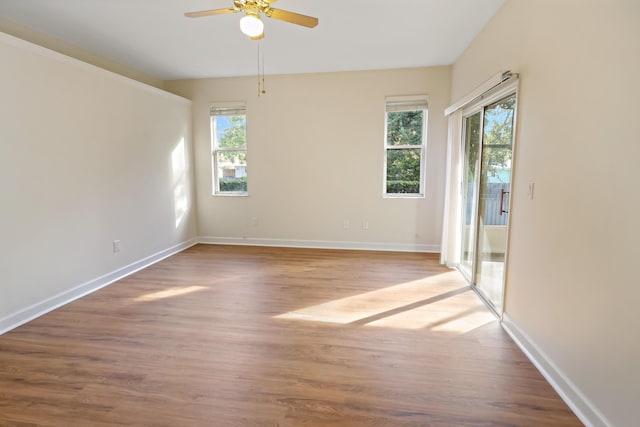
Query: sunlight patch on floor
{"x": 456, "y": 314}
{"x": 353, "y": 308}
{"x": 169, "y": 293}
{"x": 436, "y": 302}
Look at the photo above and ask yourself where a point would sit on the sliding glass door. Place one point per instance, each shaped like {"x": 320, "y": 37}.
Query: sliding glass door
{"x": 488, "y": 148}
{"x": 471, "y": 132}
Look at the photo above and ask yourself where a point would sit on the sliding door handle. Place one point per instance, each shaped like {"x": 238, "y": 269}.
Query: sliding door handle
{"x": 502, "y": 193}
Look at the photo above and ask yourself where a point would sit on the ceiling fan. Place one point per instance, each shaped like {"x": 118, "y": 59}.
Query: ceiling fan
{"x": 251, "y": 24}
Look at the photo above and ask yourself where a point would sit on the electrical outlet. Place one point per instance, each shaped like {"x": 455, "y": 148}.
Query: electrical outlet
{"x": 365, "y": 224}
{"x": 255, "y": 221}
{"x": 116, "y": 246}
{"x": 346, "y": 224}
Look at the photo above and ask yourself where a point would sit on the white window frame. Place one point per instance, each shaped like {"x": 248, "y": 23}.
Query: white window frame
{"x": 234, "y": 108}
{"x": 399, "y": 104}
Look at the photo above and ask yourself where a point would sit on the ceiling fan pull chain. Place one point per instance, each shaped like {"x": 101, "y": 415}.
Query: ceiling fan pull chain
{"x": 261, "y": 90}
{"x": 262, "y": 48}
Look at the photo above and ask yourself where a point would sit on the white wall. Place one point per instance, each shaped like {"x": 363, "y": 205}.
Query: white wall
{"x": 86, "y": 157}
{"x": 572, "y": 285}
{"x": 315, "y": 153}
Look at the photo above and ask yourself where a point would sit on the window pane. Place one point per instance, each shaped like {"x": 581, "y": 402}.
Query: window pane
{"x": 232, "y": 171}
{"x": 231, "y": 131}
{"x": 404, "y": 127}
{"x": 403, "y": 171}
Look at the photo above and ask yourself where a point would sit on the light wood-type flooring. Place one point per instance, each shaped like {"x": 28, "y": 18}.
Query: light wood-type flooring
{"x": 250, "y": 336}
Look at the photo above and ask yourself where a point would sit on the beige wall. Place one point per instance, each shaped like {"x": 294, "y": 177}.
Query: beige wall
{"x": 315, "y": 158}
{"x": 572, "y": 283}
{"x": 29, "y": 34}
{"x": 87, "y": 157}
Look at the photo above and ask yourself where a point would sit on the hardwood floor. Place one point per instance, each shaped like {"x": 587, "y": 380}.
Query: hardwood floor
{"x": 249, "y": 336}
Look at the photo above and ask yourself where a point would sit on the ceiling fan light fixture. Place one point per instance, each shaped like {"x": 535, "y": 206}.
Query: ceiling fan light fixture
{"x": 251, "y": 25}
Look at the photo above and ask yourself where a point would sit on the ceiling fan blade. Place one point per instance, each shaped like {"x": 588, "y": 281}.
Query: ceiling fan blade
{"x": 210, "y": 12}
{"x": 292, "y": 17}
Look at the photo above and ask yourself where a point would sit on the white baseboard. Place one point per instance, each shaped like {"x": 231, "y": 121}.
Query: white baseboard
{"x": 36, "y": 310}
{"x": 321, "y": 244}
{"x": 568, "y": 391}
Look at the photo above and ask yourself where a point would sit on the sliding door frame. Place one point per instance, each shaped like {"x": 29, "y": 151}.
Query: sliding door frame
{"x": 505, "y": 89}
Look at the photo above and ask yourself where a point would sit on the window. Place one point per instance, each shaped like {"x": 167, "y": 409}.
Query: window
{"x": 405, "y": 135}
{"x": 229, "y": 148}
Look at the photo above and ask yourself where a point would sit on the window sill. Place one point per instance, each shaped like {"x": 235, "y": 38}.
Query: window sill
{"x": 403, "y": 196}
{"x": 230, "y": 194}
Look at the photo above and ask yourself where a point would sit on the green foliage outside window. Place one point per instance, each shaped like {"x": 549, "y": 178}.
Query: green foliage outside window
{"x": 234, "y": 135}
{"x": 498, "y": 137}
{"x": 404, "y": 128}
{"x": 233, "y": 184}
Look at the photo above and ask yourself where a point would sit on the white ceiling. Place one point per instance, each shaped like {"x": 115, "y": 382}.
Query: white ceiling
{"x": 154, "y": 37}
